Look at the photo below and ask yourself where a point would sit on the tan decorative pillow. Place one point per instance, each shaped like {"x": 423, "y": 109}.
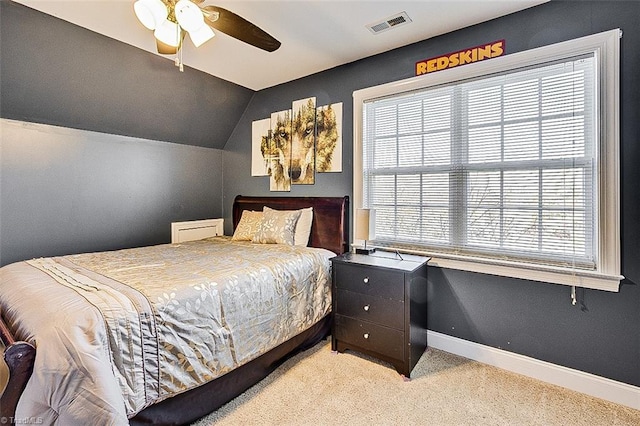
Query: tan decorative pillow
{"x": 303, "y": 227}
{"x": 277, "y": 227}
{"x": 248, "y": 225}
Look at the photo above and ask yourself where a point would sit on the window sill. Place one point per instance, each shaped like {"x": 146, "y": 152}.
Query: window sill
{"x": 526, "y": 271}
{"x": 548, "y": 274}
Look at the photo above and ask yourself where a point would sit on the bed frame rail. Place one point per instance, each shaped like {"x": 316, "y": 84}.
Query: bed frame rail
{"x": 16, "y": 367}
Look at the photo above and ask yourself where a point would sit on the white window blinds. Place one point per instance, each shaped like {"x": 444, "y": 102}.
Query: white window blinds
{"x": 502, "y": 166}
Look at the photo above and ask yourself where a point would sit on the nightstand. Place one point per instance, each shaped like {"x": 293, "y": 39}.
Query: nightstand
{"x": 380, "y": 307}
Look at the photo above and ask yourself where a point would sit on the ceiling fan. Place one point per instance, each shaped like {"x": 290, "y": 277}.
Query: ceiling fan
{"x": 172, "y": 19}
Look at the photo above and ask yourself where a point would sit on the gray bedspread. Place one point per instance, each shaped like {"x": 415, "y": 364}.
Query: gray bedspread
{"x": 118, "y": 331}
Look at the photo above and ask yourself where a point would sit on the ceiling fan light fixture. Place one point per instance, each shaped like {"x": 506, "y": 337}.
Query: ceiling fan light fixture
{"x": 150, "y": 12}
{"x": 201, "y": 35}
{"x": 169, "y": 33}
{"x": 171, "y": 20}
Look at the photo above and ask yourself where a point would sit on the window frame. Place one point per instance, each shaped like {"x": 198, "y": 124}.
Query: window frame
{"x": 605, "y": 47}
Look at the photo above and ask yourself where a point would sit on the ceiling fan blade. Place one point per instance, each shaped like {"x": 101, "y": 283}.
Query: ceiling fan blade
{"x": 237, "y": 27}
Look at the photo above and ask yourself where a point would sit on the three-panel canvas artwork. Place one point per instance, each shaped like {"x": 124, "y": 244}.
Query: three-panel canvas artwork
{"x": 293, "y": 145}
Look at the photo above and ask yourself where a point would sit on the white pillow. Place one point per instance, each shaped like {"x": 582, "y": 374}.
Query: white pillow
{"x": 303, "y": 227}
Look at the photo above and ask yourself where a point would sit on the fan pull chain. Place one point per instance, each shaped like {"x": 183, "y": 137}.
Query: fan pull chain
{"x": 178, "y": 61}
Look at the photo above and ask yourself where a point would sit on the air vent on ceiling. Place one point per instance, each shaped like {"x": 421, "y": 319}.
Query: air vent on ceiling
{"x": 391, "y": 22}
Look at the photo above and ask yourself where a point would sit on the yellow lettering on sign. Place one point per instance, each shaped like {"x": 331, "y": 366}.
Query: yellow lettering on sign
{"x": 442, "y": 62}
{"x": 484, "y": 52}
{"x": 497, "y": 48}
{"x": 453, "y": 60}
{"x": 461, "y": 57}
{"x": 431, "y": 65}
{"x": 465, "y": 57}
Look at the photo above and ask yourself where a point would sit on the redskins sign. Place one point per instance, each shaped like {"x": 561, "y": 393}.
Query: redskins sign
{"x": 461, "y": 57}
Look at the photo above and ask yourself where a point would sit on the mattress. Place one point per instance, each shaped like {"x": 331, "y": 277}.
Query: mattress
{"x": 118, "y": 331}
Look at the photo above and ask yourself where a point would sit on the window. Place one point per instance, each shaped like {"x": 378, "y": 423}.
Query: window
{"x": 508, "y": 166}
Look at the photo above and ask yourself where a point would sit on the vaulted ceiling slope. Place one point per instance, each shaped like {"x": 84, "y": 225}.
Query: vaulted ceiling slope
{"x": 57, "y": 73}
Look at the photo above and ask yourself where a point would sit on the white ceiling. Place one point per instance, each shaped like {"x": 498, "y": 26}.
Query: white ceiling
{"x": 316, "y": 34}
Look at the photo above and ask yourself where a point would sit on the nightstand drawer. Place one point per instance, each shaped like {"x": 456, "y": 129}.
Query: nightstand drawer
{"x": 382, "y": 340}
{"x": 369, "y": 308}
{"x": 378, "y": 282}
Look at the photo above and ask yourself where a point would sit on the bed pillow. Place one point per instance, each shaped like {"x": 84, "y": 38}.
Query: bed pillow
{"x": 277, "y": 227}
{"x": 303, "y": 227}
{"x": 248, "y": 225}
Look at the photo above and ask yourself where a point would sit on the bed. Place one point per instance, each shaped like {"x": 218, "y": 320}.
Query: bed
{"x": 165, "y": 373}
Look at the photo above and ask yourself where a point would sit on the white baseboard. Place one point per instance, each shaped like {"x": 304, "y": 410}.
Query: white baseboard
{"x": 590, "y": 384}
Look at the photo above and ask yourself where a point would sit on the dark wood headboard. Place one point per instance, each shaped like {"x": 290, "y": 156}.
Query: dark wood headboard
{"x": 330, "y": 226}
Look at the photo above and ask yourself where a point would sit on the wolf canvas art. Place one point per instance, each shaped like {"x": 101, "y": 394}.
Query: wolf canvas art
{"x": 260, "y": 163}
{"x": 293, "y": 145}
{"x": 278, "y": 151}
{"x": 303, "y": 132}
{"x": 329, "y": 138}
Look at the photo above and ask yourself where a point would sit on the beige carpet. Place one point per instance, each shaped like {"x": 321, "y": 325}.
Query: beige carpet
{"x": 318, "y": 387}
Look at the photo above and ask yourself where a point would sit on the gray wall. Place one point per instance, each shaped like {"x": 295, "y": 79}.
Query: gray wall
{"x": 69, "y": 191}
{"x": 600, "y": 335}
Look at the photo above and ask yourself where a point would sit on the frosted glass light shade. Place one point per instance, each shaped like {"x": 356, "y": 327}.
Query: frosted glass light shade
{"x": 169, "y": 33}
{"x": 150, "y": 12}
{"x": 189, "y": 15}
{"x": 201, "y": 35}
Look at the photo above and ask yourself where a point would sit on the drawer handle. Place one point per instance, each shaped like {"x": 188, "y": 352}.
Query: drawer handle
{"x": 366, "y": 335}
{"x": 366, "y": 308}
{"x": 366, "y": 280}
